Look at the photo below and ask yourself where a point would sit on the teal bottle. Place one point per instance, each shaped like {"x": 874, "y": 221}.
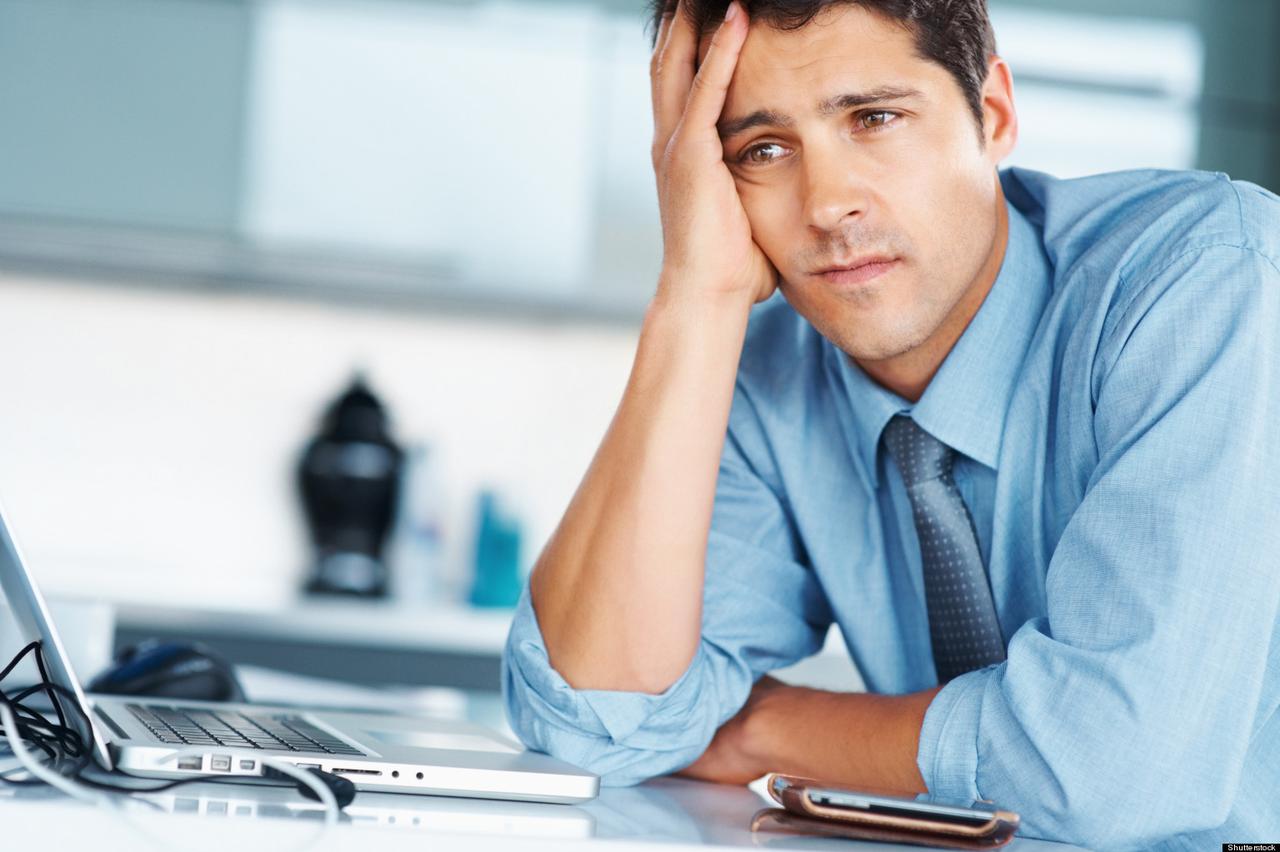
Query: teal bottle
{"x": 497, "y": 576}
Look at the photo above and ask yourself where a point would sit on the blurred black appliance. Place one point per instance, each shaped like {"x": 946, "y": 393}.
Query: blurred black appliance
{"x": 169, "y": 670}
{"x": 349, "y": 478}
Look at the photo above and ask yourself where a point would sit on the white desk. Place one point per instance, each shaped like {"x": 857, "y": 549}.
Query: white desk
{"x": 664, "y": 814}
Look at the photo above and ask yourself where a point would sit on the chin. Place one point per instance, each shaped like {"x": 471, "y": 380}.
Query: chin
{"x": 876, "y": 337}
{"x": 877, "y": 350}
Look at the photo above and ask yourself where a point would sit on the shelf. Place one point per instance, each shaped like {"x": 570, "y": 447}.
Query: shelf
{"x": 381, "y": 643}
{"x": 448, "y": 628}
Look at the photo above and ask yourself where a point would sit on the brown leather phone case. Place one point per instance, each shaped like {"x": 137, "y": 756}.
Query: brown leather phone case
{"x": 800, "y": 814}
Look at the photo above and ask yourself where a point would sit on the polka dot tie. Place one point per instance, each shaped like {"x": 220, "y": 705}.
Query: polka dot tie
{"x": 962, "y": 618}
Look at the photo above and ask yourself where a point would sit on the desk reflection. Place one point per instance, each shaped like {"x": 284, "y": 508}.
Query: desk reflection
{"x": 433, "y": 814}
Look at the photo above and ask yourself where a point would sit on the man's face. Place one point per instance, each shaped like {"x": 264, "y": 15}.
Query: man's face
{"x": 864, "y": 150}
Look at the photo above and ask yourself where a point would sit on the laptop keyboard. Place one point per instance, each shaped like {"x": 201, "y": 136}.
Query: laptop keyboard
{"x": 202, "y": 726}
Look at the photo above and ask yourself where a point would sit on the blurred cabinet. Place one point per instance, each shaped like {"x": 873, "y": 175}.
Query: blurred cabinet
{"x": 1236, "y": 101}
{"x": 483, "y": 154}
{"x": 127, "y": 112}
{"x": 492, "y": 155}
{"x": 1240, "y": 111}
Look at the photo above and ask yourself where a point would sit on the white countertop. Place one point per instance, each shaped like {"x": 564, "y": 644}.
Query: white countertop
{"x": 674, "y": 813}
{"x": 668, "y": 814}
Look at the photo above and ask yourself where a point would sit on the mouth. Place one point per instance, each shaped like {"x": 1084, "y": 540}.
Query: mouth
{"x": 859, "y": 270}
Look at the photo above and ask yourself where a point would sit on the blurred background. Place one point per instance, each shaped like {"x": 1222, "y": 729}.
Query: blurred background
{"x": 216, "y": 215}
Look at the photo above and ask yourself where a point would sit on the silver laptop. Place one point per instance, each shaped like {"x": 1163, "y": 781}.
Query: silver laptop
{"x": 380, "y": 752}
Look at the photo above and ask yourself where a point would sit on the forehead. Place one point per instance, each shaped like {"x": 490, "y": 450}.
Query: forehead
{"x": 844, "y": 48}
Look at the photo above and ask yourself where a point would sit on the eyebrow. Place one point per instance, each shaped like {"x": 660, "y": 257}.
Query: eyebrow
{"x": 839, "y": 103}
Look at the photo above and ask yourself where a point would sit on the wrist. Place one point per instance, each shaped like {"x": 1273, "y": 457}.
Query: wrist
{"x": 766, "y": 729}
{"x": 676, "y": 293}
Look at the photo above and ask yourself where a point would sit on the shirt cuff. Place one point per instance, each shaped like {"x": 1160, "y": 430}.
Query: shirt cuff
{"x": 948, "y": 755}
{"x": 679, "y": 715}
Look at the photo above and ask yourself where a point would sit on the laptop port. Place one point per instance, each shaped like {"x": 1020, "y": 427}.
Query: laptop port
{"x": 220, "y": 763}
{"x": 195, "y": 763}
{"x": 248, "y": 765}
{"x": 357, "y": 771}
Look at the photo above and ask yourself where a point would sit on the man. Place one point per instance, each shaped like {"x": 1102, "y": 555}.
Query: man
{"x": 1019, "y": 437}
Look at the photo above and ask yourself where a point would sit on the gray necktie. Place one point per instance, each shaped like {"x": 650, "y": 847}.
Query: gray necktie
{"x": 962, "y": 618}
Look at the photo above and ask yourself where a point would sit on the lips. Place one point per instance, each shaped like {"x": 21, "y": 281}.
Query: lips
{"x": 866, "y": 260}
{"x": 859, "y": 271}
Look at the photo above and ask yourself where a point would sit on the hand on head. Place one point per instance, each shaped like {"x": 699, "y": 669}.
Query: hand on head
{"x": 707, "y": 243}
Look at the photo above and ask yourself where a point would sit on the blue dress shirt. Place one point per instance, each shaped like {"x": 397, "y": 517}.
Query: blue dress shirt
{"x": 1116, "y": 405}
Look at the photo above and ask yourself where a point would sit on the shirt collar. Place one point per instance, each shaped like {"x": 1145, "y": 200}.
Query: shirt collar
{"x": 965, "y": 404}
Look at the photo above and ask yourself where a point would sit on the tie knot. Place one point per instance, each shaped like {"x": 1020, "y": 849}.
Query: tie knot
{"x": 920, "y": 456}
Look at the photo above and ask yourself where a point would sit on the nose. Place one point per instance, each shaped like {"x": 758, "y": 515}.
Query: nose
{"x": 833, "y": 190}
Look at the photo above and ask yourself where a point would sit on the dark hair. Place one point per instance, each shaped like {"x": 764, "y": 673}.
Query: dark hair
{"x": 955, "y": 34}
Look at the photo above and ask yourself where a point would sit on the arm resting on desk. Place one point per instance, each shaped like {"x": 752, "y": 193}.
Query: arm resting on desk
{"x": 859, "y": 740}
{"x": 628, "y": 737}
{"x": 762, "y": 610}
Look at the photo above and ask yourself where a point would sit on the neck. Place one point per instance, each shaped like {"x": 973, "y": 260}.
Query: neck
{"x": 909, "y": 374}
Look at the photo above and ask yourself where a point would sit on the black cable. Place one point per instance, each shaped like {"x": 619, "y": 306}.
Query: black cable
{"x": 51, "y": 739}
{"x": 57, "y": 705}
{"x": 31, "y": 725}
{"x": 69, "y": 741}
{"x": 13, "y": 664}
{"x": 63, "y": 744}
{"x": 66, "y": 737}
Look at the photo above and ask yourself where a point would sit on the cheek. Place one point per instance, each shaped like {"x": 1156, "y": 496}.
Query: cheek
{"x": 946, "y": 195}
{"x": 766, "y": 206}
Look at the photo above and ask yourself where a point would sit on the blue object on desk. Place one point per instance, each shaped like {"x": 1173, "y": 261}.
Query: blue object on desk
{"x": 497, "y": 579}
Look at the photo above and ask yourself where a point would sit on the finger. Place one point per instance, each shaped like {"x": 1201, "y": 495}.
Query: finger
{"x": 711, "y": 85}
{"x": 659, "y": 42}
{"x": 674, "y": 75}
{"x": 663, "y": 26}
{"x": 677, "y": 14}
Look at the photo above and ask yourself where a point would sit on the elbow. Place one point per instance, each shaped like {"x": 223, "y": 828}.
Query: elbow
{"x": 624, "y": 737}
{"x": 618, "y": 655}
{"x": 619, "y": 764}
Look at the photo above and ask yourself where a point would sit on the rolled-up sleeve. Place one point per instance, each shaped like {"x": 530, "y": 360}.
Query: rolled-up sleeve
{"x": 1125, "y": 715}
{"x": 762, "y": 609}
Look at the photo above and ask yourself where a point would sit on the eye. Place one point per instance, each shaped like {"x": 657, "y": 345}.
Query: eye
{"x": 760, "y": 154}
{"x": 875, "y": 120}
{"x": 869, "y": 121}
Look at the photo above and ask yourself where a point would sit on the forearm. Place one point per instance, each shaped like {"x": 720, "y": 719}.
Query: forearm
{"x": 618, "y": 589}
{"x": 860, "y": 740}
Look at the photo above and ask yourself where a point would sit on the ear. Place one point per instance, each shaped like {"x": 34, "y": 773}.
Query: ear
{"x": 999, "y": 117}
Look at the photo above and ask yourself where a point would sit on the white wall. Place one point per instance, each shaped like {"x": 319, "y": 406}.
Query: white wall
{"x": 148, "y": 438}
